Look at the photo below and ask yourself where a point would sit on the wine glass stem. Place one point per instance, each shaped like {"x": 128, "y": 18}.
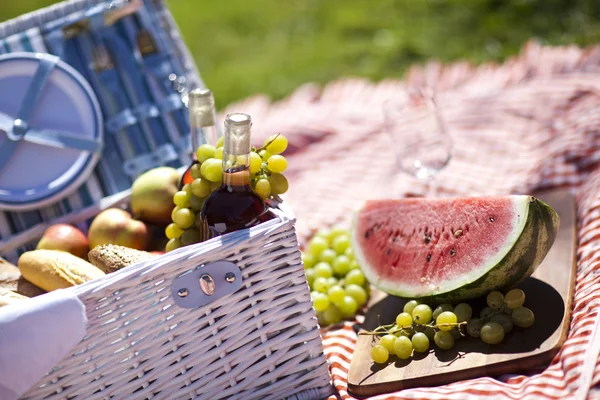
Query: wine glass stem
{"x": 431, "y": 187}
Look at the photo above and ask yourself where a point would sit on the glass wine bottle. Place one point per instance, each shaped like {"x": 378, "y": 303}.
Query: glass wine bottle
{"x": 203, "y": 126}
{"x": 234, "y": 205}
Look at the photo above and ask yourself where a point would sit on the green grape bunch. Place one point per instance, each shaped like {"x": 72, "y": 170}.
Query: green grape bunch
{"x": 418, "y": 325}
{"x": 266, "y": 166}
{"x": 338, "y": 288}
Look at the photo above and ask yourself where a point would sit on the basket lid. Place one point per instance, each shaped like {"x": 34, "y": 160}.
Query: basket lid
{"x": 50, "y": 130}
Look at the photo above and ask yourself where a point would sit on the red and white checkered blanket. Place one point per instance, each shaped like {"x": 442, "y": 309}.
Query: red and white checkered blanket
{"x": 531, "y": 123}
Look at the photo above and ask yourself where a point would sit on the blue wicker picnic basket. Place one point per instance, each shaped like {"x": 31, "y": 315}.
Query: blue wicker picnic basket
{"x": 101, "y": 88}
{"x": 92, "y": 94}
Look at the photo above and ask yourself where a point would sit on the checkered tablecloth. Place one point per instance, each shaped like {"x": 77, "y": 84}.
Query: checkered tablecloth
{"x": 531, "y": 123}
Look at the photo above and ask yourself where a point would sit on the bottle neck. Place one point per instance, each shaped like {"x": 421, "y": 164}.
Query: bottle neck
{"x": 238, "y": 180}
{"x": 236, "y": 171}
{"x": 203, "y": 134}
{"x": 203, "y": 122}
{"x": 236, "y": 151}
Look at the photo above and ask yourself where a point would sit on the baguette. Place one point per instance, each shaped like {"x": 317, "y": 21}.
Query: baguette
{"x": 55, "y": 269}
{"x": 110, "y": 258}
{"x": 11, "y": 279}
{"x": 8, "y": 297}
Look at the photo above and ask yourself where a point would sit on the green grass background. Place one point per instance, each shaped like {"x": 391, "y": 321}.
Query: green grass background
{"x": 244, "y": 47}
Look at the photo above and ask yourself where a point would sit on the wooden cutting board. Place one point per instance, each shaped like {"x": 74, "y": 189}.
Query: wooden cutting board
{"x": 549, "y": 292}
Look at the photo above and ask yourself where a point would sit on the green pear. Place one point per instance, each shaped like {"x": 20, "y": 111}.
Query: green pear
{"x": 115, "y": 226}
{"x": 152, "y": 195}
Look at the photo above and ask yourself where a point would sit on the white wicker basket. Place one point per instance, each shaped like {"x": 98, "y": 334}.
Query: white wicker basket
{"x": 260, "y": 342}
{"x": 148, "y": 130}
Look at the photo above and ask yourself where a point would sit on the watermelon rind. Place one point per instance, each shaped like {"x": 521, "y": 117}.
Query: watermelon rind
{"x": 527, "y": 246}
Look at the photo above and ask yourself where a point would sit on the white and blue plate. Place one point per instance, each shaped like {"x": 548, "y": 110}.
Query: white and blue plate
{"x": 36, "y": 174}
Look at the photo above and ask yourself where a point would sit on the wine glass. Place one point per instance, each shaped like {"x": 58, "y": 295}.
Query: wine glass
{"x": 421, "y": 143}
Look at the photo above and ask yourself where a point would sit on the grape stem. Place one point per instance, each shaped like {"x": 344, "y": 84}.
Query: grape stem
{"x": 458, "y": 357}
{"x": 267, "y": 144}
{"x": 384, "y": 329}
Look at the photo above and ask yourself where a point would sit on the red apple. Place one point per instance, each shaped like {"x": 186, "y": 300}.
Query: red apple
{"x": 66, "y": 238}
{"x": 116, "y": 226}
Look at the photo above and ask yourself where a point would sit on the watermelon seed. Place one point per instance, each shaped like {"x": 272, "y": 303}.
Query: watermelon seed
{"x": 491, "y": 219}
{"x": 452, "y": 252}
{"x": 427, "y": 239}
{"x": 389, "y": 251}
{"x": 458, "y": 232}
{"x": 428, "y": 257}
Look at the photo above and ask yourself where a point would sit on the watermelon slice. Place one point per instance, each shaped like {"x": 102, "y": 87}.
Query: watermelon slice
{"x": 451, "y": 249}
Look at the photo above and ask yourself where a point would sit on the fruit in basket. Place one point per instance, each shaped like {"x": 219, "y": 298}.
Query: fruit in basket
{"x": 55, "y": 269}
{"x": 205, "y": 177}
{"x": 152, "y": 195}
{"x": 338, "y": 287}
{"x": 116, "y": 226}
{"x": 451, "y": 249}
{"x": 65, "y": 237}
{"x": 267, "y": 166}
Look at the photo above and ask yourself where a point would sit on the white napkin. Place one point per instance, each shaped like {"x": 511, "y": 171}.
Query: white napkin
{"x": 35, "y": 335}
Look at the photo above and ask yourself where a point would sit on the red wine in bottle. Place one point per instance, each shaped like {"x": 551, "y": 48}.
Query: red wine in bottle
{"x": 234, "y": 205}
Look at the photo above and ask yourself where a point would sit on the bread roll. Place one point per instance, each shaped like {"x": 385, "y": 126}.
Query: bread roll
{"x": 55, "y": 269}
{"x": 8, "y": 297}
{"x": 110, "y": 258}
{"x": 11, "y": 279}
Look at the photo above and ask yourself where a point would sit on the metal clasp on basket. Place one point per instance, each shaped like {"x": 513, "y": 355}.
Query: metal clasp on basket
{"x": 206, "y": 284}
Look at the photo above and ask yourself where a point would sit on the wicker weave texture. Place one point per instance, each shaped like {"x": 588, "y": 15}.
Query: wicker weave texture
{"x": 37, "y": 18}
{"x": 144, "y": 115}
{"x": 261, "y": 342}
